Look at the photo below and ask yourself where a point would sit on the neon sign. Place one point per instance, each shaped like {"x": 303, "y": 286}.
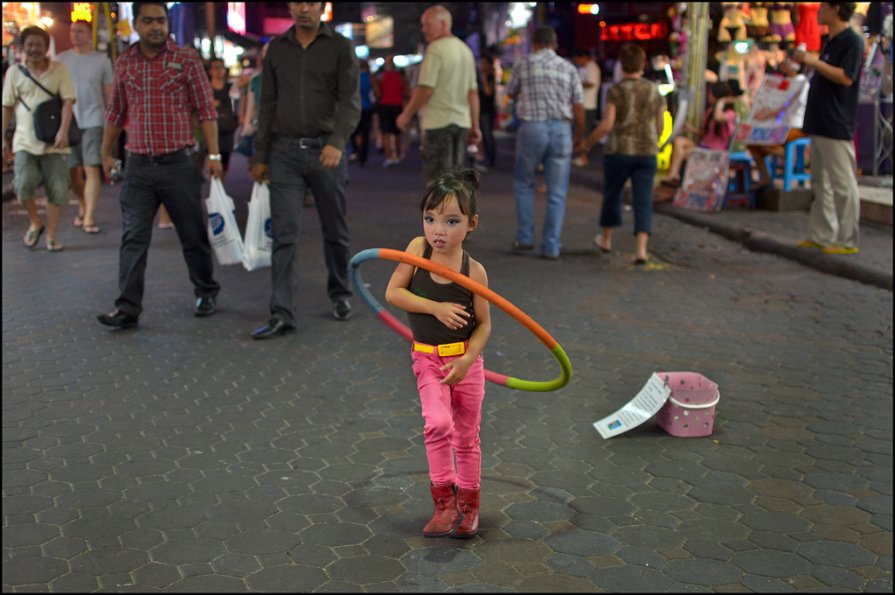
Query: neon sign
{"x": 81, "y": 11}
{"x": 236, "y": 17}
{"x": 633, "y": 31}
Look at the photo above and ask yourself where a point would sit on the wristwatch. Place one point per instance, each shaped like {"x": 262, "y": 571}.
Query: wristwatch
{"x": 214, "y": 157}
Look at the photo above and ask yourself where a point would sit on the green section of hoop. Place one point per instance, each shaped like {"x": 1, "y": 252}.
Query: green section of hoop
{"x": 545, "y": 386}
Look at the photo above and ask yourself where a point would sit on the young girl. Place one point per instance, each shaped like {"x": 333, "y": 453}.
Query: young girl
{"x": 450, "y": 328}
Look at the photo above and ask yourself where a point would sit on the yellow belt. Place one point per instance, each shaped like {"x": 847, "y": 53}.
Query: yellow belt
{"x": 444, "y": 350}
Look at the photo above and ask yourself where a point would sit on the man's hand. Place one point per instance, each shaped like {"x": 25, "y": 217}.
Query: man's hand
{"x": 259, "y": 172}
{"x": 61, "y": 139}
{"x": 215, "y": 169}
{"x": 330, "y": 156}
{"x": 7, "y": 155}
{"x": 475, "y": 135}
{"x": 805, "y": 58}
{"x": 109, "y": 164}
{"x": 403, "y": 121}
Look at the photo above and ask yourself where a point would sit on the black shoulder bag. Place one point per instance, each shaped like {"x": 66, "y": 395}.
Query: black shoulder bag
{"x": 48, "y": 116}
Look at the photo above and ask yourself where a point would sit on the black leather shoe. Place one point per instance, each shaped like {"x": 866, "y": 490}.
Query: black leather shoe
{"x": 118, "y": 319}
{"x": 204, "y": 306}
{"x": 519, "y": 247}
{"x": 341, "y": 309}
{"x": 274, "y": 328}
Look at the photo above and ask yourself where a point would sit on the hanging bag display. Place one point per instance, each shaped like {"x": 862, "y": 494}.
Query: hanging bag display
{"x": 48, "y": 116}
{"x": 223, "y": 233}
{"x": 259, "y": 235}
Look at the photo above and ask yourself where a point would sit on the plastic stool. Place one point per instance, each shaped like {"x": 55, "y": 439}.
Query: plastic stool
{"x": 793, "y": 165}
{"x": 739, "y": 185}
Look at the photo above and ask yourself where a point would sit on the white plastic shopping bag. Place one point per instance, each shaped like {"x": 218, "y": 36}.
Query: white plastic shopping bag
{"x": 259, "y": 236}
{"x": 223, "y": 233}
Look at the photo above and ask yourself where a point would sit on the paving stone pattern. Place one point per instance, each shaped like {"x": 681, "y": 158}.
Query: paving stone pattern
{"x": 183, "y": 456}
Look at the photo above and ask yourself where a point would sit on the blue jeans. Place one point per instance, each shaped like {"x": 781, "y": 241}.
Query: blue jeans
{"x": 642, "y": 171}
{"x": 549, "y": 143}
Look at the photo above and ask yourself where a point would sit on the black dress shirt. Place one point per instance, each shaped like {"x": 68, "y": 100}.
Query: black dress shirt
{"x": 308, "y": 92}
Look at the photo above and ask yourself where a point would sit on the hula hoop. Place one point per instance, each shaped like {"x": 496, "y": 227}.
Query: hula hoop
{"x": 477, "y": 288}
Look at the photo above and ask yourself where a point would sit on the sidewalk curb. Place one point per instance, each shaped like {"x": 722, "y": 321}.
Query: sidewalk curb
{"x": 762, "y": 242}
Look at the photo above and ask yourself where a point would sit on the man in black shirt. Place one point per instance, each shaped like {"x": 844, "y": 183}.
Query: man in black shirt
{"x": 830, "y": 123}
{"x": 310, "y": 105}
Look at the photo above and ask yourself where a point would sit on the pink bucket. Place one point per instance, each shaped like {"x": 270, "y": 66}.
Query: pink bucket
{"x": 689, "y": 411}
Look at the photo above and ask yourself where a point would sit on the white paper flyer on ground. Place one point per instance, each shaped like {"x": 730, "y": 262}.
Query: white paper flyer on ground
{"x": 642, "y": 407}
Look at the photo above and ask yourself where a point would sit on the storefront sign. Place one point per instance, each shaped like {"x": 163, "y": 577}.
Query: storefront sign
{"x": 633, "y": 31}
{"x": 236, "y": 17}
{"x": 82, "y": 11}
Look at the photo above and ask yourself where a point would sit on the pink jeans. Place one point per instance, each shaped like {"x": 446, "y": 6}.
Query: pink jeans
{"x": 452, "y": 417}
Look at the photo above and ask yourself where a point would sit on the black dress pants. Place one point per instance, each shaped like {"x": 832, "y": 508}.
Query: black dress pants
{"x": 178, "y": 186}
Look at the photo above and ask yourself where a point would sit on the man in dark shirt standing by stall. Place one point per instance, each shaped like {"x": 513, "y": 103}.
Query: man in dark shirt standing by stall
{"x": 830, "y": 123}
{"x": 310, "y": 105}
{"x": 156, "y": 89}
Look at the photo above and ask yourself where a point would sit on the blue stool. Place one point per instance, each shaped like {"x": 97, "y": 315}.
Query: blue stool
{"x": 739, "y": 185}
{"x": 793, "y": 165}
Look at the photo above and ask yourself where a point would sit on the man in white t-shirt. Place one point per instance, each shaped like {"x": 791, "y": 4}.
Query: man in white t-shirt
{"x": 38, "y": 163}
{"x": 447, "y": 87}
{"x": 590, "y": 82}
{"x": 92, "y": 76}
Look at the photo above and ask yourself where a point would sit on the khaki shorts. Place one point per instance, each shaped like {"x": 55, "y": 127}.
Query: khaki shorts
{"x": 49, "y": 170}
{"x": 89, "y": 151}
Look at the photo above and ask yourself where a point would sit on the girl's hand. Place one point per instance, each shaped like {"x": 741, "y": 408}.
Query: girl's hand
{"x": 456, "y": 369}
{"x": 451, "y": 315}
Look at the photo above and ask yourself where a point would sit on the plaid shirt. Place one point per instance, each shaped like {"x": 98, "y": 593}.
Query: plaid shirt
{"x": 156, "y": 97}
{"x": 547, "y": 87}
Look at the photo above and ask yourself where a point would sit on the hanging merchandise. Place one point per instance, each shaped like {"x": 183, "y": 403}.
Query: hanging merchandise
{"x": 781, "y": 22}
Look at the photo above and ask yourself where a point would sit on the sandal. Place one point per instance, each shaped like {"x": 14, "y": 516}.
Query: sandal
{"x": 53, "y": 245}
{"x": 600, "y": 245}
{"x": 90, "y": 229}
{"x": 79, "y": 221}
{"x": 32, "y": 236}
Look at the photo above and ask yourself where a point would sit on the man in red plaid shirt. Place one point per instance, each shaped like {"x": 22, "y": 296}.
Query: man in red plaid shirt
{"x": 157, "y": 88}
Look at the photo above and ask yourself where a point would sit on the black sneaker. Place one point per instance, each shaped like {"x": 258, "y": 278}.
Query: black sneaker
{"x": 341, "y": 309}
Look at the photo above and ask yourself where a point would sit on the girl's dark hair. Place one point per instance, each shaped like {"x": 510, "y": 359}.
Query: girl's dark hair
{"x": 462, "y": 184}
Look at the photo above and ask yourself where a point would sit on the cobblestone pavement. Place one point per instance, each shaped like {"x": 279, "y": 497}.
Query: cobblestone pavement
{"x": 183, "y": 456}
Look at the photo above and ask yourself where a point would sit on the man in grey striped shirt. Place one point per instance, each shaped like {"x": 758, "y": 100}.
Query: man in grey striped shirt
{"x": 549, "y": 100}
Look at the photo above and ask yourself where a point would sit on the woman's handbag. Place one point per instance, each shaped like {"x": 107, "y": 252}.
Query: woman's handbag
{"x": 223, "y": 233}
{"x": 48, "y": 116}
{"x": 259, "y": 235}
